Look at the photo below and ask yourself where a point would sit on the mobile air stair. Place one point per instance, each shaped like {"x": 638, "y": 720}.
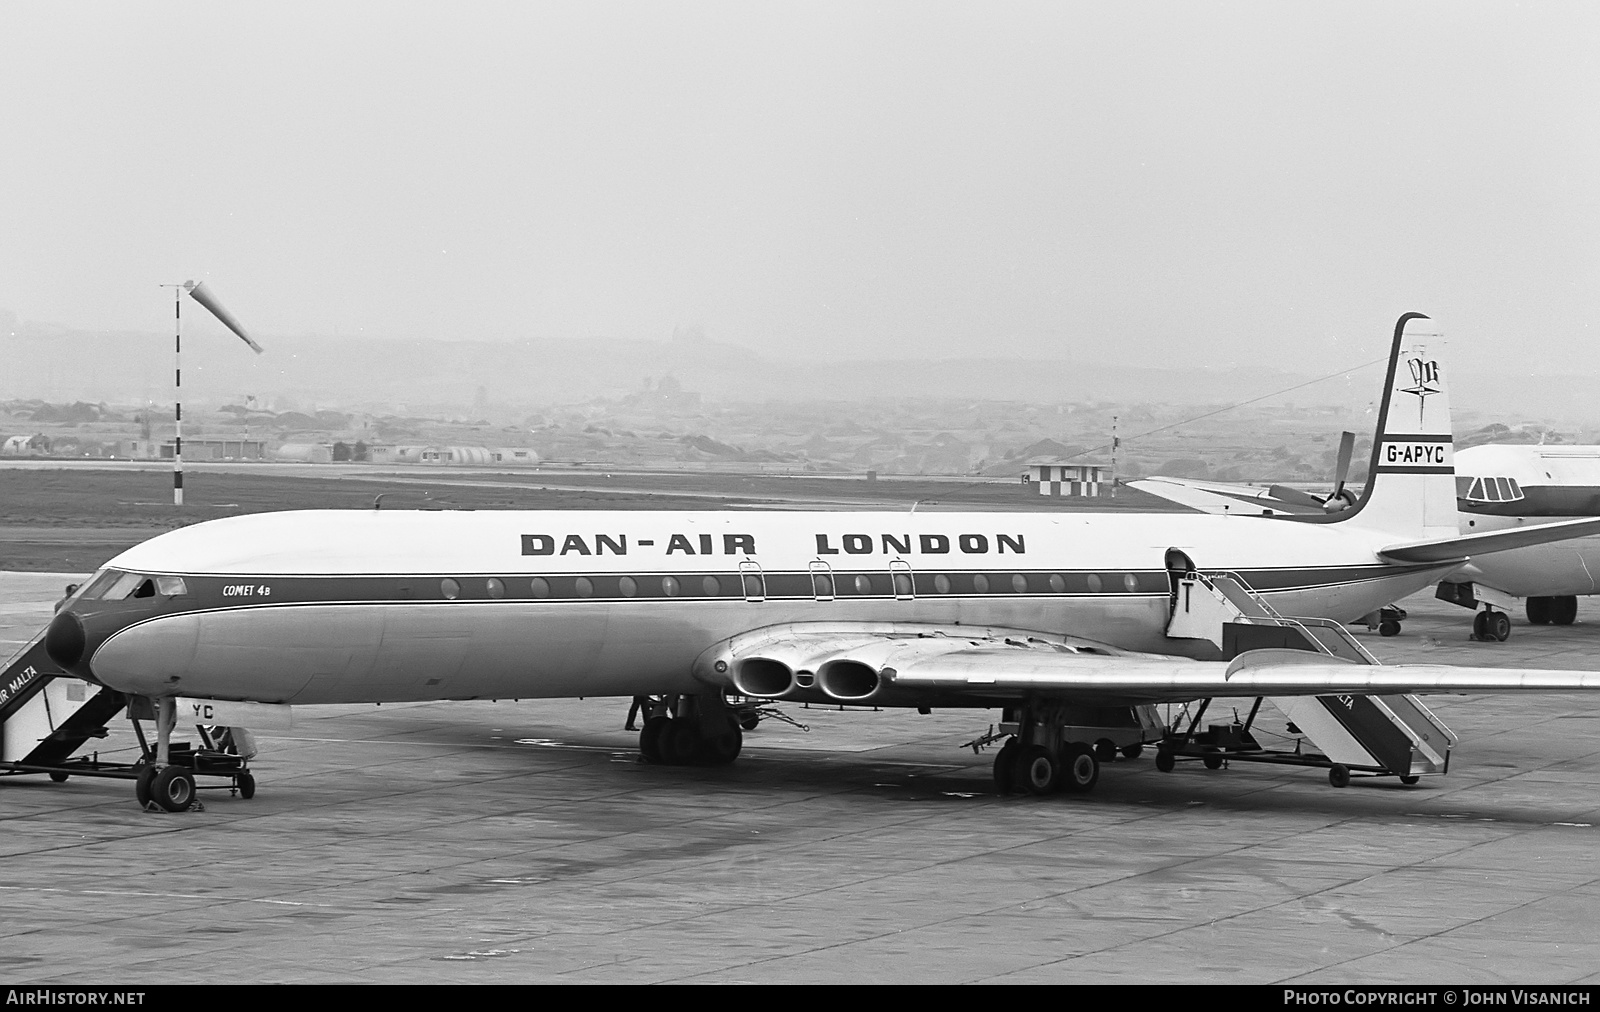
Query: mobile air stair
{"x": 1394, "y": 735}
{"x": 47, "y": 715}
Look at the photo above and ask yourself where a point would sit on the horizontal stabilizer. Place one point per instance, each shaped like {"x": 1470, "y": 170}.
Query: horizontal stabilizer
{"x": 1468, "y": 545}
{"x": 1224, "y": 498}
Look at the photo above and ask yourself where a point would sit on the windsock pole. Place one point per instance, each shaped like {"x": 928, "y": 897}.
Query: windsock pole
{"x": 177, "y": 393}
{"x": 202, "y": 295}
{"x": 177, "y": 397}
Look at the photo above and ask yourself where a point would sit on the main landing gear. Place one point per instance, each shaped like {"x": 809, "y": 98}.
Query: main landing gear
{"x": 1385, "y": 621}
{"x": 1488, "y": 625}
{"x": 691, "y": 731}
{"x": 1553, "y": 610}
{"x": 1046, "y": 753}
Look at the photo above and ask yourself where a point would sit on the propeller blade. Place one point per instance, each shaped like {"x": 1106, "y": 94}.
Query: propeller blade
{"x": 1341, "y": 471}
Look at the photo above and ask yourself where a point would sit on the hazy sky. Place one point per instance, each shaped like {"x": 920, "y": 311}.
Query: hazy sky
{"x": 1165, "y": 182}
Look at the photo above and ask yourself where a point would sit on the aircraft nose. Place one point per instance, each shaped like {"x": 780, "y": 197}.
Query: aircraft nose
{"x": 64, "y": 640}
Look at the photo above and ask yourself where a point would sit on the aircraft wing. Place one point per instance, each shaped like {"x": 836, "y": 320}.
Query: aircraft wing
{"x": 1467, "y": 545}
{"x": 905, "y": 664}
{"x": 1254, "y": 673}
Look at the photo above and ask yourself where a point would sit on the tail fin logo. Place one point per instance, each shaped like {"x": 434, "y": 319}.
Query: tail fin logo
{"x": 1424, "y": 381}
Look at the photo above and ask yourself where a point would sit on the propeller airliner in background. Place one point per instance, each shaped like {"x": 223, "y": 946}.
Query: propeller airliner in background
{"x": 1498, "y": 487}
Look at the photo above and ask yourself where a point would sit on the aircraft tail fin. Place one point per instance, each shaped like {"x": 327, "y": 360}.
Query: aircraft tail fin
{"x": 1410, "y": 487}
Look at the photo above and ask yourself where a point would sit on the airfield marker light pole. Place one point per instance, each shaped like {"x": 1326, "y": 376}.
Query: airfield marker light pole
{"x": 199, "y": 293}
{"x": 1115, "y": 442}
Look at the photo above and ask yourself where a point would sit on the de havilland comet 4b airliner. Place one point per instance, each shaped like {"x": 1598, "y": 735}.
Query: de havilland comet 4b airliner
{"x": 1053, "y": 617}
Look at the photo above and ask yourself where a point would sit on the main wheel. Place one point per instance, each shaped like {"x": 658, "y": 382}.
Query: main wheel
{"x": 1539, "y": 610}
{"x": 1132, "y": 751}
{"x": 1338, "y": 775}
{"x": 1105, "y": 750}
{"x": 1480, "y": 626}
{"x": 173, "y": 789}
{"x": 58, "y": 776}
{"x": 245, "y": 783}
{"x": 1005, "y": 762}
{"x": 1080, "y": 769}
{"x": 650, "y": 738}
{"x": 1564, "y": 610}
{"x": 749, "y": 721}
{"x": 1408, "y": 781}
{"x": 1388, "y": 628}
{"x": 1038, "y": 770}
{"x": 1498, "y": 626}
{"x": 723, "y": 748}
{"x": 1165, "y": 761}
{"x": 1213, "y": 760}
{"x": 681, "y": 744}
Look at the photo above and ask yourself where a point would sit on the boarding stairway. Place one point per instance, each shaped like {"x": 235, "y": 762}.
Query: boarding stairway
{"x": 1394, "y": 735}
{"x": 47, "y": 715}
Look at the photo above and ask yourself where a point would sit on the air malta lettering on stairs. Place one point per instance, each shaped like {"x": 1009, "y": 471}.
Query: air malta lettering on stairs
{"x": 924, "y": 544}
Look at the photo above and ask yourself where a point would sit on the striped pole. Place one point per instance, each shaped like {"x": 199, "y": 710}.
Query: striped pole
{"x": 200, "y": 294}
{"x": 177, "y": 395}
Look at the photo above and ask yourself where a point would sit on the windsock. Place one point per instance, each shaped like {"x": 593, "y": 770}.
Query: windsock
{"x": 199, "y": 293}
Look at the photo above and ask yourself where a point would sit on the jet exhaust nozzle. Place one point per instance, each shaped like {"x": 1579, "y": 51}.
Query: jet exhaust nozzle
{"x": 849, "y": 681}
{"x": 763, "y": 677}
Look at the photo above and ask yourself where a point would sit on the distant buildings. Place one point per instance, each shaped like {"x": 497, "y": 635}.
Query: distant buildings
{"x": 194, "y": 449}
{"x": 1054, "y": 477}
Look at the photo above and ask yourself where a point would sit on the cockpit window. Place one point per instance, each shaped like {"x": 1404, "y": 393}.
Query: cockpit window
{"x": 1464, "y": 485}
{"x": 126, "y": 584}
{"x": 171, "y": 586}
{"x": 95, "y": 587}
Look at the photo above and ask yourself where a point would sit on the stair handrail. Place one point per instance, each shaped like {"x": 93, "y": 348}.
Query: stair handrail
{"x": 1278, "y": 618}
{"x": 1255, "y": 595}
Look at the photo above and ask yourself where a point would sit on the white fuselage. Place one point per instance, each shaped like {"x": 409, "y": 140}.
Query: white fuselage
{"x": 1522, "y": 485}
{"x": 344, "y": 606}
